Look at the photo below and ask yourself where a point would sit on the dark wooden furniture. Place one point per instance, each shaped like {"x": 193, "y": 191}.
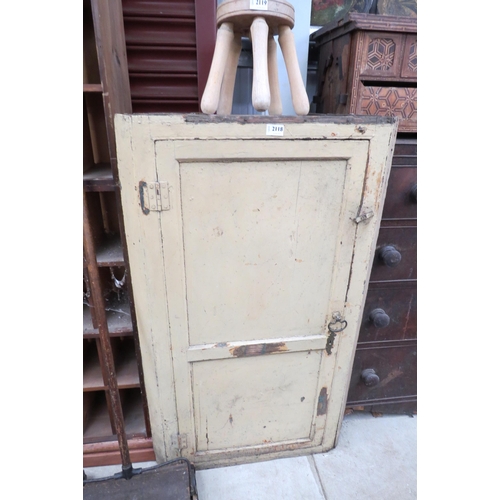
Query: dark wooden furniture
{"x": 387, "y": 341}
{"x": 367, "y": 64}
{"x": 115, "y": 414}
{"x": 169, "y": 51}
{"x": 139, "y": 56}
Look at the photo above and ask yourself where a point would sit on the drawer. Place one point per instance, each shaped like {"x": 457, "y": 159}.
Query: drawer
{"x": 401, "y": 198}
{"x": 391, "y": 242}
{"x": 409, "y": 62}
{"x": 401, "y": 102}
{"x": 404, "y": 161}
{"x": 405, "y": 148}
{"x": 390, "y": 312}
{"x": 382, "y": 54}
{"x": 394, "y": 374}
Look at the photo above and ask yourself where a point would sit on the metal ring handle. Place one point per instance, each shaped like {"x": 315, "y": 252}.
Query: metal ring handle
{"x": 337, "y": 330}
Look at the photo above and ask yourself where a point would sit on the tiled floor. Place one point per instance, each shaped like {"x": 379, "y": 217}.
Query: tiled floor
{"x": 376, "y": 458}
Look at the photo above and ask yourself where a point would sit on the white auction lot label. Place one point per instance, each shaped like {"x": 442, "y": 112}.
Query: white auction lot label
{"x": 274, "y": 129}
{"x": 259, "y": 4}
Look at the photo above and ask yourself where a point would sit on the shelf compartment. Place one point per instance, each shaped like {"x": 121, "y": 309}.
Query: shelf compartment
{"x": 92, "y": 372}
{"x": 97, "y": 424}
{"x": 90, "y": 61}
{"x": 99, "y": 177}
{"x": 97, "y": 125}
{"x": 133, "y": 412}
{"x": 127, "y": 371}
{"x": 88, "y": 152}
{"x": 110, "y": 252}
{"x": 118, "y": 318}
{"x": 92, "y": 87}
{"x": 104, "y": 221}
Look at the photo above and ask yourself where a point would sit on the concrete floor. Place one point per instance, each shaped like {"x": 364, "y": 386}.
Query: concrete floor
{"x": 376, "y": 458}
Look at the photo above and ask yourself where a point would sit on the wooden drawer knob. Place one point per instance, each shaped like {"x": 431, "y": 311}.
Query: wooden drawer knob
{"x": 369, "y": 377}
{"x": 379, "y": 318}
{"x": 389, "y": 256}
{"x": 413, "y": 193}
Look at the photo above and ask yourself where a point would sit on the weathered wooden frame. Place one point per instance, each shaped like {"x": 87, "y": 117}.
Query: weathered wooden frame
{"x": 136, "y": 138}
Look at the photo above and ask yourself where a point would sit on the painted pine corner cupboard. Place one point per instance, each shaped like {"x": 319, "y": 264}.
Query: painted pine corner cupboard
{"x": 250, "y": 245}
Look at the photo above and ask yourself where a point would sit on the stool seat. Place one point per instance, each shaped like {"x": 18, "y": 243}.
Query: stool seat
{"x": 234, "y": 20}
{"x": 279, "y": 12}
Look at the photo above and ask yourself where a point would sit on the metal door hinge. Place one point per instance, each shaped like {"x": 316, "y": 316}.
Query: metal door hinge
{"x": 364, "y": 215}
{"x": 179, "y": 441}
{"x": 154, "y": 196}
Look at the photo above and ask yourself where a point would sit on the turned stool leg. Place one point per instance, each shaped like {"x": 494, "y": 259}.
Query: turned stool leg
{"x": 227, "y": 90}
{"x": 299, "y": 95}
{"x": 261, "y": 94}
{"x": 276, "y": 107}
{"x": 210, "y": 99}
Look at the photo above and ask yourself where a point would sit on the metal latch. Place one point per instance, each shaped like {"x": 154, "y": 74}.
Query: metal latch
{"x": 364, "y": 215}
{"x": 335, "y": 326}
{"x": 154, "y": 196}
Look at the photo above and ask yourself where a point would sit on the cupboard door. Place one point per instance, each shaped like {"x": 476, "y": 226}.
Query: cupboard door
{"x": 237, "y": 277}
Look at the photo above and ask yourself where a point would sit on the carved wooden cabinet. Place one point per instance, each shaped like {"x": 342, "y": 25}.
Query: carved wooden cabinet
{"x": 367, "y": 65}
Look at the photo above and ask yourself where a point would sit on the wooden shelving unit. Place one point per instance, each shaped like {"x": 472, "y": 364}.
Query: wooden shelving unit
{"x": 115, "y": 415}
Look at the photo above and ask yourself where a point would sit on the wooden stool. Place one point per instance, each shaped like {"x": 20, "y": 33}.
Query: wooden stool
{"x": 235, "y": 19}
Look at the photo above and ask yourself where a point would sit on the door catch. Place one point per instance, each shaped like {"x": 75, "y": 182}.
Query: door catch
{"x": 335, "y": 326}
{"x": 364, "y": 215}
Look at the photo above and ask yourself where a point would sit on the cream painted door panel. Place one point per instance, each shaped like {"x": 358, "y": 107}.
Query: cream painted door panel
{"x": 260, "y": 240}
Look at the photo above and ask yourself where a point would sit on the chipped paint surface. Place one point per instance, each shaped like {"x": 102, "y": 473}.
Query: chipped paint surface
{"x": 258, "y": 247}
{"x": 258, "y": 349}
{"x": 322, "y": 402}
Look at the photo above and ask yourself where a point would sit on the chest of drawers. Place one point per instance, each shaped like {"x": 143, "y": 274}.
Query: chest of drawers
{"x": 384, "y": 376}
{"x": 367, "y": 65}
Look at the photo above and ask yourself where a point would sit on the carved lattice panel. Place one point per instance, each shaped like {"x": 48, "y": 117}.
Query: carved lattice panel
{"x": 381, "y": 54}
{"x": 409, "y": 66}
{"x": 412, "y": 62}
{"x": 390, "y": 101}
